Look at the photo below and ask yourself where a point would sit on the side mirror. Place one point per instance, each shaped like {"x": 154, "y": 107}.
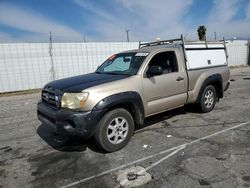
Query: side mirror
{"x": 154, "y": 70}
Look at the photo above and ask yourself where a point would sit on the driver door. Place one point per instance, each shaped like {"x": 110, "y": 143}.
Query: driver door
{"x": 168, "y": 90}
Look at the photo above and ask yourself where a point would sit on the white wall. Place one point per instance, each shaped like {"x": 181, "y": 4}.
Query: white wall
{"x": 28, "y": 65}
{"x": 237, "y": 52}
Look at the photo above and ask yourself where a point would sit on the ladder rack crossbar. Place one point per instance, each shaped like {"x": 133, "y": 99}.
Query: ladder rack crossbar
{"x": 162, "y": 42}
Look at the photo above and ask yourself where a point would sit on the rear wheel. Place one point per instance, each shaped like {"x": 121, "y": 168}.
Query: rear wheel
{"x": 114, "y": 130}
{"x": 208, "y": 99}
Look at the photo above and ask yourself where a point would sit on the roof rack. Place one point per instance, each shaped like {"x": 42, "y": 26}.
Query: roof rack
{"x": 180, "y": 40}
{"x": 162, "y": 42}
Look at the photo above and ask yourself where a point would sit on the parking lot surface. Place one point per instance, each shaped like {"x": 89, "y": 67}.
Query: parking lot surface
{"x": 180, "y": 148}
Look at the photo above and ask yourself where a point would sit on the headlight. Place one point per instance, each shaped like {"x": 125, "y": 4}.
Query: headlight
{"x": 74, "y": 100}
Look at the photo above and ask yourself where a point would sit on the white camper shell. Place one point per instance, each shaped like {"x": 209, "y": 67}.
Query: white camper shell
{"x": 198, "y": 54}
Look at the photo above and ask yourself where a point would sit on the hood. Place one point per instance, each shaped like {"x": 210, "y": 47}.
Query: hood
{"x": 79, "y": 83}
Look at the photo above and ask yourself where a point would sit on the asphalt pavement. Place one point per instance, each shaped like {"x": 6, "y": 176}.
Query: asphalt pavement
{"x": 179, "y": 148}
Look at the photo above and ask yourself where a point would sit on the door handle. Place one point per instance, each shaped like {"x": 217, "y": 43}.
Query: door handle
{"x": 179, "y": 79}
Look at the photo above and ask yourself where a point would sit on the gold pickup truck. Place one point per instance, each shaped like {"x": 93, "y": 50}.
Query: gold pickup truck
{"x": 129, "y": 86}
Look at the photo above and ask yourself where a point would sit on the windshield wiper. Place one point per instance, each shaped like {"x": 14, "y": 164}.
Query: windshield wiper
{"x": 98, "y": 72}
{"x": 114, "y": 73}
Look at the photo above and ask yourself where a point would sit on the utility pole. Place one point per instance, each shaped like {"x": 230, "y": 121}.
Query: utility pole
{"x": 215, "y": 36}
{"x": 52, "y": 70}
{"x": 127, "y": 30}
{"x": 248, "y": 50}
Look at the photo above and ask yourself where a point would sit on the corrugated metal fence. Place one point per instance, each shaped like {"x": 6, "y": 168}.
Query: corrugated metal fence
{"x": 238, "y": 52}
{"x": 29, "y": 65}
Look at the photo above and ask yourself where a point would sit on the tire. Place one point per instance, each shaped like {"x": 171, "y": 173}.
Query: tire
{"x": 208, "y": 99}
{"x": 114, "y": 130}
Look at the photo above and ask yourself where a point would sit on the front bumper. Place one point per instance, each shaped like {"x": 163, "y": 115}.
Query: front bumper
{"x": 68, "y": 122}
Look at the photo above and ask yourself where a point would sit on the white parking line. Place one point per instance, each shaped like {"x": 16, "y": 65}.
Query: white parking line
{"x": 181, "y": 147}
{"x": 174, "y": 149}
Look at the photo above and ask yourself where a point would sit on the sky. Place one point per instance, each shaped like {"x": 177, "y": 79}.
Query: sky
{"x": 108, "y": 20}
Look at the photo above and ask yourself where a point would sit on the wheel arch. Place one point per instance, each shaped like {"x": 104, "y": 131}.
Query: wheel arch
{"x": 214, "y": 80}
{"x": 130, "y": 100}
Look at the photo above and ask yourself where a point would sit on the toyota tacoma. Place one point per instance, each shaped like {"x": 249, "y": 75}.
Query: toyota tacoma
{"x": 129, "y": 86}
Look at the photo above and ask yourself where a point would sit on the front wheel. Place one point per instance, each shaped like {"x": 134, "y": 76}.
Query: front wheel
{"x": 114, "y": 130}
{"x": 208, "y": 99}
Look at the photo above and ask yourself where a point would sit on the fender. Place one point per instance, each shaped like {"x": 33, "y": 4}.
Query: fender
{"x": 130, "y": 97}
{"x": 215, "y": 78}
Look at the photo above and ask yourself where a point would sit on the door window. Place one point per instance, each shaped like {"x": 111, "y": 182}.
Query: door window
{"x": 167, "y": 61}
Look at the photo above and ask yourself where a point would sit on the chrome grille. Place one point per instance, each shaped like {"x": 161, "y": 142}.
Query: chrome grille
{"x": 51, "y": 97}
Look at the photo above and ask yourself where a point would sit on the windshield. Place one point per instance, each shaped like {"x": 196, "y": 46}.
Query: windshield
{"x": 124, "y": 63}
